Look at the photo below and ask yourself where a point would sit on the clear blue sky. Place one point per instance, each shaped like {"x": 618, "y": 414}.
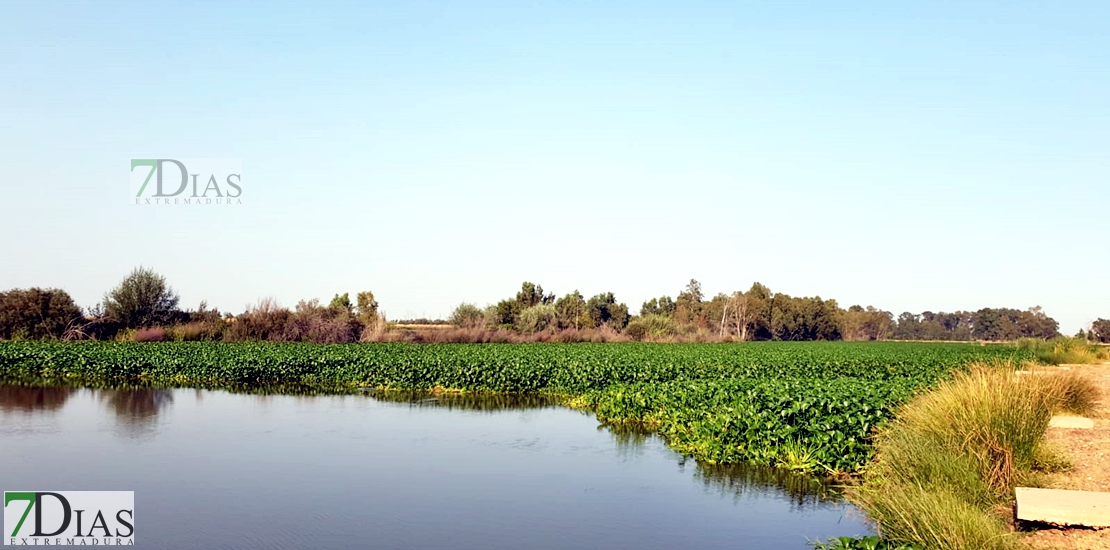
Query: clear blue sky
{"x": 907, "y": 155}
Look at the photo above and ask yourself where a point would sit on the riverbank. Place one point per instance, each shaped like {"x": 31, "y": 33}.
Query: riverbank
{"x": 1088, "y": 450}
{"x": 947, "y": 464}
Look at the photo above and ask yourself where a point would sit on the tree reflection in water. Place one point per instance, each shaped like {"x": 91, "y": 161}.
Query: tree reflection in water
{"x": 736, "y": 480}
{"x": 137, "y": 410}
{"x": 804, "y": 490}
{"x": 471, "y": 401}
{"x": 32, "y": 399}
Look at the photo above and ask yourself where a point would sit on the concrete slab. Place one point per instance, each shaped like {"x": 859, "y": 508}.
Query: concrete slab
{"x": 1071, "y": 422}
{"x": 1062, "y": 507}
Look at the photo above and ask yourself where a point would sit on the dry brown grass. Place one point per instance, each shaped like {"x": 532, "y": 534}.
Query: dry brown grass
{"x": 454, "y": 335}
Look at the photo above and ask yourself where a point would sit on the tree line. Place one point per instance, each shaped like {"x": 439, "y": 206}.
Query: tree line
{"x": 143, "y": 307}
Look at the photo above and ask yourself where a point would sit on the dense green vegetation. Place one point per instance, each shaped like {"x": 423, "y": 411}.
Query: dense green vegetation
{"x": 800, "y": 405}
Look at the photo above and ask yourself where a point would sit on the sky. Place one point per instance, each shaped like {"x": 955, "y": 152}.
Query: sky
{"x": 908, "y": 155}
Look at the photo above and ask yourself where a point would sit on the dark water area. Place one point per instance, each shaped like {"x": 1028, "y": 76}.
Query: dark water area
{"x": 212, "y": 469}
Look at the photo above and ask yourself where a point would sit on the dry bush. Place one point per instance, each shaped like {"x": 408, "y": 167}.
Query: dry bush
{"x": 197, "y": 331}
{"x": 490, "y": 336}
{"x": 152, "y": 334}
{"x": 264, "y": 321}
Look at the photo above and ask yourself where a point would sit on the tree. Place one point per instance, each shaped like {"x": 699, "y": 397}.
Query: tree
{"x": 571, "y": 311}
{"x": 867, "y": 324}
{"x": 367, "y": 308}
{"x": 761, "y": 308}
{"x": 692, "y": 292}
{"x": 1100, "y": 331}
{"x": 662, "y": 305}
{"x": 37, "y": 313}
{"x": 604, "y": 310}
{"x": 505, "y": 312}
{"x": 1034, "y": 323}
{"x": 736, "y": 318}
{"x": 536, "y": 318}
{"x": 142, "y": 299}
{"x": 531, "y": 294}
{"x": 908, "y": 327}
{"x": 341, "y": 305}
{"x": 688, "y": 305}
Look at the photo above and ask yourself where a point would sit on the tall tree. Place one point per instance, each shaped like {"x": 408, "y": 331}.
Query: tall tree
{"x": 366, "y": 307}
{"x": 736, "y": 318}
{"x": 688, "y": 304}
{"x": 572, "y": 312}
{"x": 1034, "y": 323}
{"x": 662, "y": 305}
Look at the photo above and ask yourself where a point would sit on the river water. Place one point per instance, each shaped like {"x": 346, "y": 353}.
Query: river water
{"x": 212, "y": 469}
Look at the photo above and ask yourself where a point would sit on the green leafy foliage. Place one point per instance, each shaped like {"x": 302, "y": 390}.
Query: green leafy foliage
{"x": 807, "y": 406}
{"x": 863, "y": 543}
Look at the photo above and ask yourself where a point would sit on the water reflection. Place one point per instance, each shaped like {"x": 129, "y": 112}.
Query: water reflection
{"x": 740, "y": 480}
{"x": 736, "y": 481}
{"x": 140, "y": 405}
{"x": 377, "y": 470}
{"x": 465, "y": 401}
{"x": 31, "y": 399}
{"x": 136, "y": 411}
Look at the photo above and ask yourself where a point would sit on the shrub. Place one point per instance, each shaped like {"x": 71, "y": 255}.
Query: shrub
{"x": 468, "y": 316}
{"x": 37, "y": 313}
{"x": 197, "y": 331}
{"x": 264, "y": 321}
{"x": 1070, "y": 391}
{"x": 1066, "y": 350}
{"x": 312, "y": 322}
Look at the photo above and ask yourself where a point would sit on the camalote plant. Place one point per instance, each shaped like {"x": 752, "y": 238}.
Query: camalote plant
{"x": 805, "y": 406}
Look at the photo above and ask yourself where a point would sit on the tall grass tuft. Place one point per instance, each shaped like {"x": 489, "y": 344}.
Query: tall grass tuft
{"x": 953, "y": 454}
{"x": 936, "y": 518}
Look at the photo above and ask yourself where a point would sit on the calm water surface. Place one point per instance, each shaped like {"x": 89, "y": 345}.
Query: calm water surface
{"x": 219, "y": 470}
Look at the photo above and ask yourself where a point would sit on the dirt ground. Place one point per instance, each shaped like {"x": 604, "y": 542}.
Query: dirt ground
{"x": 1089, "y": 452}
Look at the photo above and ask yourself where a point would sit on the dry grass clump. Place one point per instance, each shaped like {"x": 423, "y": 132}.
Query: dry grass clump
{"x": 952, "y": 456}
{"x": 152, "y": 334}
{"x": 487, "y": 336}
